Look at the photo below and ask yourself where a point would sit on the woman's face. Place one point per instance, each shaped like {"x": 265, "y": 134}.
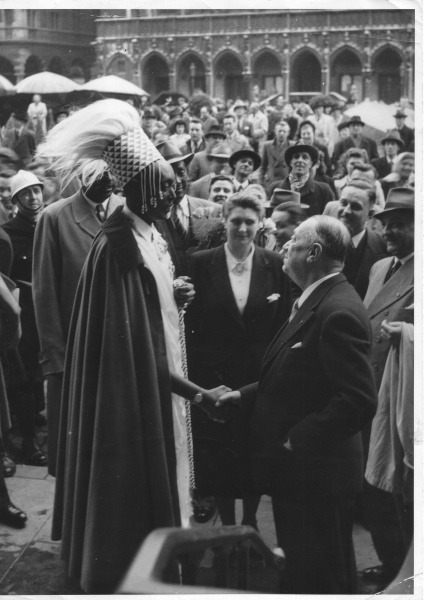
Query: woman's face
{"x": 406, "y": 167}
{"x": 179, "y": 129}
{"x": 242, "y": 225}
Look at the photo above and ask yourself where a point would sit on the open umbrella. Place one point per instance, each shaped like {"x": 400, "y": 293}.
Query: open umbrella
{"x": 111, "y": 84}
{"x": 6, "y": 88}
{"x": 46, "y": 83}
{"x": 161, "y": 98}
{"x": 377, "y": 116}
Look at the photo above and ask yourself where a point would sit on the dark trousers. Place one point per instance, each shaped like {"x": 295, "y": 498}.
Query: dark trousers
{"x": 4, "y": 496}
{"x": 315, "y": 534}
{"x": 390, "y": 522}
{"x": 54, "y": 398}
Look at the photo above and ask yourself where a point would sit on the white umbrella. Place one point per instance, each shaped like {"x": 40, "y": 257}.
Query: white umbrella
{"x": 6, "y": 88}
{"x": 111, "y": 84}
{"x": 378, "y": 115}
{"x": 46, "y": 83}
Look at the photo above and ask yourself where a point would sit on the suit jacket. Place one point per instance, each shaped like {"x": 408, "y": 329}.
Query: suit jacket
{"x": 365, "y": 143}
{"x": 237, "y": 142}
{"x": 199, "y": 166}
{"x": 6, "y": 253}
{"x": 63, "y": 238}
{"x": 245, "y": 129}
{"x": 225, "y": 346}
{"x": 314, "y": 193}
{"x": 187, "y": 148}
{"x": 408, "y": 136}
{"x": 316, "y": 389}
{"x": 24, "y": 146}
{"x": 200, "y": 187}
{"x": 360, "y": 260}
{"x": 382, "y": 166}
{"x": 273, "y": 165}
{"x": 178, "y": 247}
{"x": 387, "y": 301}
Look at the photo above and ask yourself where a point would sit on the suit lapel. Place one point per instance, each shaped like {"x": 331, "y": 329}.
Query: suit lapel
{"x": 400, "y": 284}
{"x": 258, "y": 281}
{"x": 221, "y": 282}
{"x": 84, "y": 216}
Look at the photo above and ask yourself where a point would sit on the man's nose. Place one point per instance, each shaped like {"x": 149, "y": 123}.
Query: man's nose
{"x": 243, "y": 227}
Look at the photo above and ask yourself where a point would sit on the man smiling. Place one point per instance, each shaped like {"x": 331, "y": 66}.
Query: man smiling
{"x": 243, "y": 163}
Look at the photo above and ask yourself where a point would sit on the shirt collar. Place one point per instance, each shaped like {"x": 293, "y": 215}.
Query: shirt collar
{"x": 356, "y": 239}
{"x": 184, "y": 206}
{"x": 141, "y": 227}
{"x": 405, "y": 258}
{"x": 94, "y": 204}
{"x": 232, "y": 261}
{"x": 312, "y": 287}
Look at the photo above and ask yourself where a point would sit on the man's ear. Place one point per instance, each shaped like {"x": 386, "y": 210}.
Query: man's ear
{"x": 315, "y": 251}
{"x": 371, "y": 213}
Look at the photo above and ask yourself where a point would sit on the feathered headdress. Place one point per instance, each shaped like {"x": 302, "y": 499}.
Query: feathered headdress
{"x": 107, "y": 131}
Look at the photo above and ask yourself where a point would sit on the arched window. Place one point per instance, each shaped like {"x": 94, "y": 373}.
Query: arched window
{"x": 228, "y": 77}
{"x": 267, "y": 73}
{"x": 6, "y": 69}
{"x": 386, "y": 72}
{"x": 120, "y": 66}
{"x": 191, "y": 75}
{"x": 155, "y": 75}
{"x": 346, "y": 70}
{"x": 33, "y": 65}
{"x": 305, "y": 73}
{"x": 56, "y": 65}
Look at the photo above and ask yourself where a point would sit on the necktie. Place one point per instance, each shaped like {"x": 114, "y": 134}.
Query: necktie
{"x": 179, "y": 227}
{"x": 294, "y": 310}
{"x": 396, "y": 264}
{"x": 100, "y": 212}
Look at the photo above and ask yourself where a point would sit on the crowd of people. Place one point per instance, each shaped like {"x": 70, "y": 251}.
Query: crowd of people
{"x": 210, "y": 301}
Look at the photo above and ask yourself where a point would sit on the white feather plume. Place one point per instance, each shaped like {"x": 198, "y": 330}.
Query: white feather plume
{"x": 77, "y": 143}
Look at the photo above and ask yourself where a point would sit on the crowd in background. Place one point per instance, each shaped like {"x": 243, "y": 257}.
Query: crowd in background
{"x": 291, "y": 160}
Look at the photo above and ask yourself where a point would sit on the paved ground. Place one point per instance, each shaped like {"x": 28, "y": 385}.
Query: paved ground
{"x": 29, "y": 560}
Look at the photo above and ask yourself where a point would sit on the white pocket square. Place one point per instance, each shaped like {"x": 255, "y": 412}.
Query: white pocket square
{"x": 273, "y": 297}
{"x": 298, "y": 345}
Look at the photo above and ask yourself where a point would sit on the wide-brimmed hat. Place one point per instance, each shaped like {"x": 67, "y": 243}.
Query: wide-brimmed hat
{"x": 356, "y": 120}
{"x": 239, "y": 104}
{"x": 22, "y": 180}
{"x": 281, "y": 196}
{"x": 21, "y": 115}
{"x": 300, "y": 146}
{"x": 400, "y": 114}
{"x": 172, "y": 154}
{"x": 343, "y": 125}
{"x": 393, "y": 136}
{"x": 215, "y": 131}
{"x": 221, "y": 150}
{"x": 245, "y": 152}
{"x": 399, "y": 198}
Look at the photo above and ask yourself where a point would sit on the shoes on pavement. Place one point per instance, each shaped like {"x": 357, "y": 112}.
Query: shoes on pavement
{"x": 8, "y": 464}
{"x": 32, "y": 454}
{"x": 13, "y": 516}
{"x": 377, "y": 574}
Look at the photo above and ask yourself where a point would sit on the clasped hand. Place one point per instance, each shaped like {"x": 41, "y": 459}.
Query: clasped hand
{"x": 215, "y": 405}
{"x": 391, "y": 331}
{"x": 183, "y": 291}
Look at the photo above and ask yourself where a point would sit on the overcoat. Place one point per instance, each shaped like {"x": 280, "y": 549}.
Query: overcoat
{"x": 314, "y": 193}
{"x": 116, "y": 478}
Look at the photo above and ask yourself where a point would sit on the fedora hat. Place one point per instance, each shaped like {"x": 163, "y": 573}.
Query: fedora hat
{"x": 239, "y": 104}
{"x": 221, "y": 150}
{"x": 393, "y": 136}
{"x": 356, "y": 120}
{"x": 400, "y": 114}
{"x": 20, "y": 115}
{"x": 343, "y": 125}
{"x": 280, "y": 196}
{"x": 22, "y": 180}
{"x": 245, "y": 152}
{"x": 215, "y": 131}
{"x": 398, "y": 199}
{"x": 300, "y": 146}
{"x": 172, "y": 154}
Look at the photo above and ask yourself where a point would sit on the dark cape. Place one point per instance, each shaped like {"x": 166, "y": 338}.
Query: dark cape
{"x": 116, "y": 476}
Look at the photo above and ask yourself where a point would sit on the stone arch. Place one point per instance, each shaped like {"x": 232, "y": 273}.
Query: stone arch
{"x": 33, "y": 65}
{"x": 228, "y": 75}
{"x": 154, "y": 70}
{"x": 56, "y": 65}
{"x": 386, "y": 73}
{"x": 305, "y": 71}
{"x": 120, "y": 64}
{"x": 191, "y": 72}
{"x": 7, "y": 69}
{"x": 346, "y": 70}
{"x": 266, "y": 70}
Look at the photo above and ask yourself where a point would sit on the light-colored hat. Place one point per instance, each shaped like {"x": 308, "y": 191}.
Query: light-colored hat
{"x": 280, "y": 195}
{"x": 22, "y": 180}
{"x": 129, "y": 154}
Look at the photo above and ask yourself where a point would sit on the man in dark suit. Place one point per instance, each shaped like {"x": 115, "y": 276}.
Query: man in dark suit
{"x": 315, "y": 393}
{"x": 24, "y": 141}
{"x": 218, "y": 156}
{"x": 406, "y": 133}
{"x": 390, "y": 291}
{"x": 301, "y": 158}
{"x": 273, "y": 166}
{"x": 180, "y": 230}
{"x": 392, "y": 145}
{"x": 63, "y": 238}
{"x": 243, "y": 125}
{"x": 356, "y": 139}
{"x": 355, "y": 208}
{"x": 201, "y": 165}
{"x": 243, "y": 163}
{"x": 196, "y": 142}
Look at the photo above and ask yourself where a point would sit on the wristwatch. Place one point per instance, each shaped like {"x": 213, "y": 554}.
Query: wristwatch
{"x": 198, "y": 398}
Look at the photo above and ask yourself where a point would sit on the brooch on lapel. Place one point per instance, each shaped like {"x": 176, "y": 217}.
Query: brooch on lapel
{"x": 273, "y": 297}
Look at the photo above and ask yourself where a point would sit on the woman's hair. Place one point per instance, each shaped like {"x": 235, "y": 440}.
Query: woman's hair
{"x": 397, "y": 161}
{"x": 173, "y": 127}
{"x": 243, "y": 199}
{"x": 341, "y": 169}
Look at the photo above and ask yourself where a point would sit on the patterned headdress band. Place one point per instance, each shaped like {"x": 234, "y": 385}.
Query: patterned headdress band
{"x": 129, "y": 154}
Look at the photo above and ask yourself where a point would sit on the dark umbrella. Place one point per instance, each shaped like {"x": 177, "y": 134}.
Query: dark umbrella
{"x": 162, "y": 97}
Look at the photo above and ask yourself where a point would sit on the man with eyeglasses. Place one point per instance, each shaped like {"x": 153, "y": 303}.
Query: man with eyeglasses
{"x": 316, "y": 392}
{"x": 180, "y": 230}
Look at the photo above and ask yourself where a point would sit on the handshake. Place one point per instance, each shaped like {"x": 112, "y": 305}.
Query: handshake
{"x": 220, "y": 403}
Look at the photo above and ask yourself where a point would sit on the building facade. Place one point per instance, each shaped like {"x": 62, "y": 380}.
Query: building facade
{"x": 225, "y": 53}
{"x": 46, "y": 40}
